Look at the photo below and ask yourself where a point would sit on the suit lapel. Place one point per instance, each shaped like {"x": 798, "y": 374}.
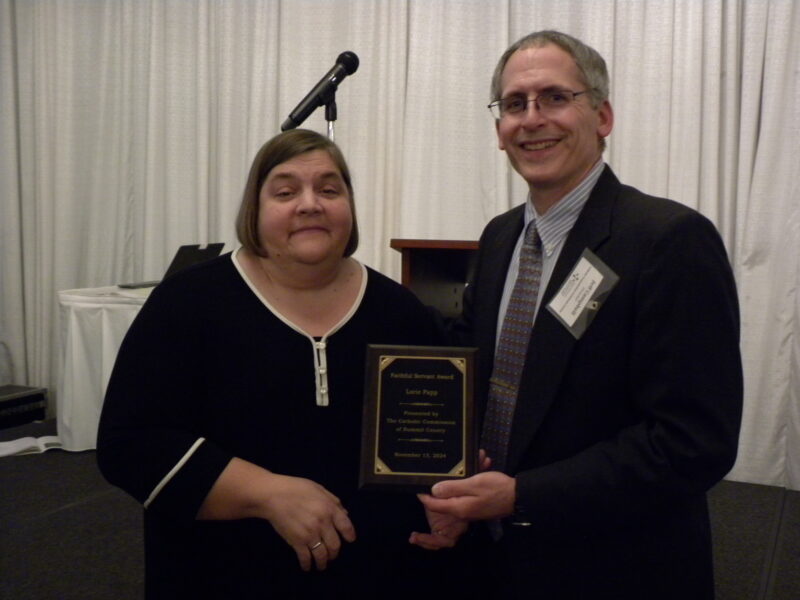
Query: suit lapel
{"x": 551, "y": 344}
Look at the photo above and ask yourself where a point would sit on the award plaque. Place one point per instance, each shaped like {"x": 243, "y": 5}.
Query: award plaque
{"x": 418, "y": 425}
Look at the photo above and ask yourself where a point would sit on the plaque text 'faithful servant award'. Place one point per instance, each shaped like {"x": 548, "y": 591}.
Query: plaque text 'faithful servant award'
{"x": 418, "y": 423}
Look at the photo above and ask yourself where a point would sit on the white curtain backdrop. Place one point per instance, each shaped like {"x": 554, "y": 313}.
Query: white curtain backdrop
{"x": 127, "y": 129}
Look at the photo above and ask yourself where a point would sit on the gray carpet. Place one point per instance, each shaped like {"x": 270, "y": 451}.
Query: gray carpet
{"x": 66, "y": 534}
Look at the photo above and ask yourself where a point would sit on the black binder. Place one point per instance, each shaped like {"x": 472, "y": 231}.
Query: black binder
{"x": 186, "y": 256}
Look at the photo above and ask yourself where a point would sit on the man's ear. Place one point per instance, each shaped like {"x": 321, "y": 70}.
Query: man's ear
{"x": 605, "y": 119}
{"x": 497, "y": 131}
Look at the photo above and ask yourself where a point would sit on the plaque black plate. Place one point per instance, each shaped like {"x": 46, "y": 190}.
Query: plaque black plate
{"x": 418, "y": 425}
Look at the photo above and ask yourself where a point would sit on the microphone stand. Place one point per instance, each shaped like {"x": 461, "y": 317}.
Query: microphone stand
{"x": 330, "y": 111}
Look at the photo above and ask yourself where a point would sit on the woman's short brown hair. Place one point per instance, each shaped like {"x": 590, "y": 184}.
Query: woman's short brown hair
{"x": 285, "y": 146}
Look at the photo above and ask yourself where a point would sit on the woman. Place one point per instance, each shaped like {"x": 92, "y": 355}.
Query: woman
{"x": 234, "y": 409}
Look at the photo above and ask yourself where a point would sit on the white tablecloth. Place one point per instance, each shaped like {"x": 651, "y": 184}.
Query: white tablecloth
{"x": 93, "y": 323}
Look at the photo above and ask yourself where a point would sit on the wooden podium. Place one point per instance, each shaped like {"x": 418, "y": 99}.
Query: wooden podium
{"x": 437, "y": 270}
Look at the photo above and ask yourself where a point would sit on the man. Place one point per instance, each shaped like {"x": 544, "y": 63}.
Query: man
{"x": 625, "y": 403}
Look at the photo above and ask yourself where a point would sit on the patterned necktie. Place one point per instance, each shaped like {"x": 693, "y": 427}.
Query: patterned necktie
{"x": 512, "y": 348}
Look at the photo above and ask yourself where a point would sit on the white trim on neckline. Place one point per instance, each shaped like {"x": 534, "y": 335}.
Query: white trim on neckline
{"x": 319, "y": 347}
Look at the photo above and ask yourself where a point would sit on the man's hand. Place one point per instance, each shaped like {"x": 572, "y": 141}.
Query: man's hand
{"x": 445, "y": 531}
{"x": 446, "y": 527}
{"x": 484, "y": 496}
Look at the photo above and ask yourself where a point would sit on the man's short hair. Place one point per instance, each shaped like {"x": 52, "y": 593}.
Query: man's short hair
{"x": 283, "y": 147}
{"x": 589, "y": 62}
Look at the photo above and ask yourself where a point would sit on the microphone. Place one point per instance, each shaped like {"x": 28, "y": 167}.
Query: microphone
{"x": 346, "y": 64}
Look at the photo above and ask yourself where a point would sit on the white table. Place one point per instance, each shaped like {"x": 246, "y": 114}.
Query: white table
{"x": 93, "y": 323}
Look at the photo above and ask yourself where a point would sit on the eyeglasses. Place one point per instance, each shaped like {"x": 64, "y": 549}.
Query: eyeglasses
{"x": 547, "y": 103}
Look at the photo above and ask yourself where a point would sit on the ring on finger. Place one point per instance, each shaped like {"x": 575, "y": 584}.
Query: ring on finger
{"x": 315, "y": 546}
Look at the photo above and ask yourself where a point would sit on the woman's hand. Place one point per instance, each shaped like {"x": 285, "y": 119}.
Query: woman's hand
{"x": 309, "y": 518}
{"x": 306, "y": 515}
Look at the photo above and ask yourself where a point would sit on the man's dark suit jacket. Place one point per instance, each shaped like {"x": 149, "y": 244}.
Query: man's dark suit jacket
{"x": 617, "y": 435}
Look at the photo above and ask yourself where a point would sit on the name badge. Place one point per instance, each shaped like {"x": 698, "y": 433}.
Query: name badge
{"x": 583, "y": 292}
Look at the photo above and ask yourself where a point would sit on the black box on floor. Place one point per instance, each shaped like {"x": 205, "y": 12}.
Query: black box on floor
{"x": 20, "y": 404}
